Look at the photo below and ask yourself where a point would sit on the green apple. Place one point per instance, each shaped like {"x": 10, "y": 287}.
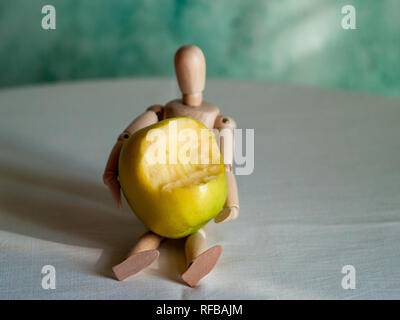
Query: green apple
{"x": 173, "y": 177}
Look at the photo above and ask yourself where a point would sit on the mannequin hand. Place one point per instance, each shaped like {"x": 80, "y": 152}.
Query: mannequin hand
{"x": 113, "y": 184}
{"x": 227, "y": 214}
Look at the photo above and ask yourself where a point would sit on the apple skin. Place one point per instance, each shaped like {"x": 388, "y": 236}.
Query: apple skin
{"x": 172, "y": 213}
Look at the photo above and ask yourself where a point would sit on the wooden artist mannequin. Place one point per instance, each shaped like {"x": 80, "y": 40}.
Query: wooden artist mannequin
{"x": 190, "y": 71}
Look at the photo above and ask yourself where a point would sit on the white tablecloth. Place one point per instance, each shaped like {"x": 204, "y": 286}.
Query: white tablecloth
{"x": 325, "y": 193}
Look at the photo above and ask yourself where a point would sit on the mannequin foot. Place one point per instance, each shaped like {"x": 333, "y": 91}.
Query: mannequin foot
{"x": 135, "y": 263}
{"x": 202, "y": 265}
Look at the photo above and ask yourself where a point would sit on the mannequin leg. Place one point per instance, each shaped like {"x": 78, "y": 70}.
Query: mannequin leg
{"x": 142, "y": 255}
{"x": 199, "y": 260}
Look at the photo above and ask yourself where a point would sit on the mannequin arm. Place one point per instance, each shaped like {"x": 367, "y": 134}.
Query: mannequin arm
{"x": 110, "y": 176}
{"x": 230, "y": 211}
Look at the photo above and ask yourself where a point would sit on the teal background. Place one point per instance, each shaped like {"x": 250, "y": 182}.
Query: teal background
{"x": 282, "y": 41}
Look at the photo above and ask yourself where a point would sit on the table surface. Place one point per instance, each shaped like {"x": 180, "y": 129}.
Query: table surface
{"x": 325, "y": 193}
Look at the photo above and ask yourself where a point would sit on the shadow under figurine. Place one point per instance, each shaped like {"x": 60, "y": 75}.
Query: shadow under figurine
{"x": 190, "y": 71}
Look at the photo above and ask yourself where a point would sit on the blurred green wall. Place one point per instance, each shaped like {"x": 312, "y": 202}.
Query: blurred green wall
{"x": 283, "y": 41}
